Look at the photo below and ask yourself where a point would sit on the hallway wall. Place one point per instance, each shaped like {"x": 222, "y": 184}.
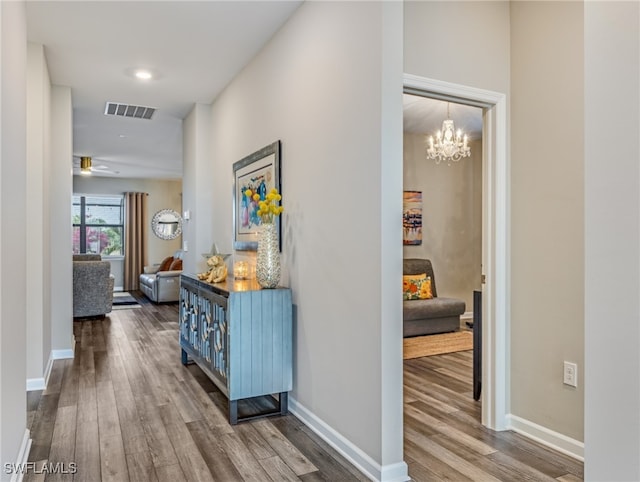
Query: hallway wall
{"x": 13, "y": 298}
{"x": 340, "y": 185}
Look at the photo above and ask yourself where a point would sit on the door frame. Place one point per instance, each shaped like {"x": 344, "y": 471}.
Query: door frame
{"x": 495, "y": 237}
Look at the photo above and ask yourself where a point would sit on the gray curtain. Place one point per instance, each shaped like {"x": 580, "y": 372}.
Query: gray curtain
{"x": 135, "y": 235}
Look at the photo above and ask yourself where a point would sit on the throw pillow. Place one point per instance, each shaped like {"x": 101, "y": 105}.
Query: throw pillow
{"x": 176, "y": 265}
{"x": 425, "y": 290}
{"x": 411, "y": 285}
{"x": 416, "y": 287}
{"x": 166, "y": 262}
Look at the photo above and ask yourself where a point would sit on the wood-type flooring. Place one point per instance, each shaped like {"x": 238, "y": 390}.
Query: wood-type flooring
{"x": 126, "y": 409}
{"x": 444, "y": 439}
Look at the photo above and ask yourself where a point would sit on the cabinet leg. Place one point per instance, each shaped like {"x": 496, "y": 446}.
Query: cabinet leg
{"x": 233, "y": 412}
{"x": 284, "y": 403}
{"x": 185, "y": 357}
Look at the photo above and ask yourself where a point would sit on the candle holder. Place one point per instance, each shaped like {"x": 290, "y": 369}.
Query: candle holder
{"x": 241, "y": 270}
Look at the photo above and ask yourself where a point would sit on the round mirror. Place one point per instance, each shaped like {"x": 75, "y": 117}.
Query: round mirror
{"x": 167, "y": 224}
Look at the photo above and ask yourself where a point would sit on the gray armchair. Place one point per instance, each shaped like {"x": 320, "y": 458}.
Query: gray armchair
{"x": 92, "y": 287}
{"x": 435, "y": 315}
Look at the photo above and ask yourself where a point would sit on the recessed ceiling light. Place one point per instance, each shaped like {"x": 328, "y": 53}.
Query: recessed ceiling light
{"x": 143, "y": 74}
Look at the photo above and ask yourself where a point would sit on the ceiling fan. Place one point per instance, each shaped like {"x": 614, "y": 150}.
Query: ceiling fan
{"x": 84, "y": 165}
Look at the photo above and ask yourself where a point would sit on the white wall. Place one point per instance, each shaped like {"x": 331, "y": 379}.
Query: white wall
{"x": 474, "y": 53}
{"x": 60, "y": 221}
{"x": 13, "y": 294}
{"x": 329, "y": 86}
{"x": 198, "y": 178}
{"x": 451, "y": 217}
{"x": 612, "y": 251}
{"x": 163, "y": 194}
{"x": 38, "y": 115}
{"x": 547, "y": 213}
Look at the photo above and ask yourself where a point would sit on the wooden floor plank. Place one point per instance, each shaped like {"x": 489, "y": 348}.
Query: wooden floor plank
{"x": 43, "y": 424}
{"x": 113, "y": 462}
{"x": 429, "y": 468}
{"x": 101, "y": 363}
{"x": 70, "y": 382}
{"x": 108, "y": 421}
{"x": 451, "y": 459}
{"x": 242, "y": 458}
{"x": 219, "y": 463}
{"x": 133, "y": 435}
{"x": 259, "y": 447}
{"x": 315, "y": 450}
{"x": 87, "y": 457}
{"x": 284, "y": 448}
{"x": 170, "y": 473}
{"x": 63, "y": 442}
{"x": 140, "y": 467}
{"x": 278, "y": 470}
{"x": 421, "y": 418}
{"x": 54, "y": 383}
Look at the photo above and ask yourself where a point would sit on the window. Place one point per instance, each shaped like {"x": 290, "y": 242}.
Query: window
{"x": 98, "y": 225}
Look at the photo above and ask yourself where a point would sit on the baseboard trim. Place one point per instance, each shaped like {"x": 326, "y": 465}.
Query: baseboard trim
{"x": 62, "y": 354}
{"x": 467, "y": 315}
{"x": 34, "y": 384}
{"x": 557, "y": 441}
{"x": 65, "y": 354}
{"x": 23, "y": 456}
{"x": 389, "y": 473}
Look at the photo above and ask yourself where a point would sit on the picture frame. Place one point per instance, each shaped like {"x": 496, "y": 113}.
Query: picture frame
{"x": 412, "y": 218}
{"x": 260, "y": 172}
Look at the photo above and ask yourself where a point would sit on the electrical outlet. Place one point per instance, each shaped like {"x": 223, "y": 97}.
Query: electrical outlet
{"x": 570, "y": 374}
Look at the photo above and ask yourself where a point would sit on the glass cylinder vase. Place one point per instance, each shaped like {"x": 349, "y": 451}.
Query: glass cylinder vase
{"x": 268, "y": 261}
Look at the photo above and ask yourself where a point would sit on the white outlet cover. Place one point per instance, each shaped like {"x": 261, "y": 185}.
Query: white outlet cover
{"x": 570, "y": 376}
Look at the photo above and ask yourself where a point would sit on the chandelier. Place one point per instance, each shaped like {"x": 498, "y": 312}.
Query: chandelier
{"x": 449, "y": 144}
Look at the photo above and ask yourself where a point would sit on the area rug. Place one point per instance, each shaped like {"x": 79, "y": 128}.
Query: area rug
{"x": 123, "y": 300}
{"x": 428, "y": 345}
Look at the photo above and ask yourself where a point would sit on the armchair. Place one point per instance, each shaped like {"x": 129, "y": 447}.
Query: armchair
{"x": 429, "y": 316}
{"x": 161, "y": 282}
{"x": 92, "y": 287}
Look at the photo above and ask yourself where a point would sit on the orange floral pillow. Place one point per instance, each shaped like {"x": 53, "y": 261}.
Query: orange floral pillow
{"x": 416, "y": 287}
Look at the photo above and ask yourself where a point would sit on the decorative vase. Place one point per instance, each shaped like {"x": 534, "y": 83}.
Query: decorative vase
{"x": 268, "y": 262}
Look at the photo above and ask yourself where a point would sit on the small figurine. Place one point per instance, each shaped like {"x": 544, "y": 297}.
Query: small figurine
{"x": 217, "y": 270}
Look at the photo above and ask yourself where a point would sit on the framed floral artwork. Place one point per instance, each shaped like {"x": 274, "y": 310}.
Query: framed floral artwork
{"x": 259, "y": 173}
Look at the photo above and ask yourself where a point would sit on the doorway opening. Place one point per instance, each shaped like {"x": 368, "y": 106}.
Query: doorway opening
{"x": 494, "y": 237}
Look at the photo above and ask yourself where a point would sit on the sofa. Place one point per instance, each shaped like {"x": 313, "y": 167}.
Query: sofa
{"x": 429, "y": 316}
{"x": 161, "y": 282}
{"x": 92, "y": 286}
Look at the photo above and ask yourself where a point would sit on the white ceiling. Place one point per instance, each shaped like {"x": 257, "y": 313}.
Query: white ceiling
{"x": 423, "y": 115}
{"x": 194, "y": 48}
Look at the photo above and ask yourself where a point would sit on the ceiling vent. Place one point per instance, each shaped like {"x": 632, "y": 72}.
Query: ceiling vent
{"x": 126, "y": 110}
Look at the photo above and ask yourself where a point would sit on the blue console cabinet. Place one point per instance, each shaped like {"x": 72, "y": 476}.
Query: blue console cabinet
{"x": 240, "y": 336}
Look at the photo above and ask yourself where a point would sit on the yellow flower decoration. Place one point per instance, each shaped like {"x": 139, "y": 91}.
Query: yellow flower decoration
{"x": 268, "y": 207}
